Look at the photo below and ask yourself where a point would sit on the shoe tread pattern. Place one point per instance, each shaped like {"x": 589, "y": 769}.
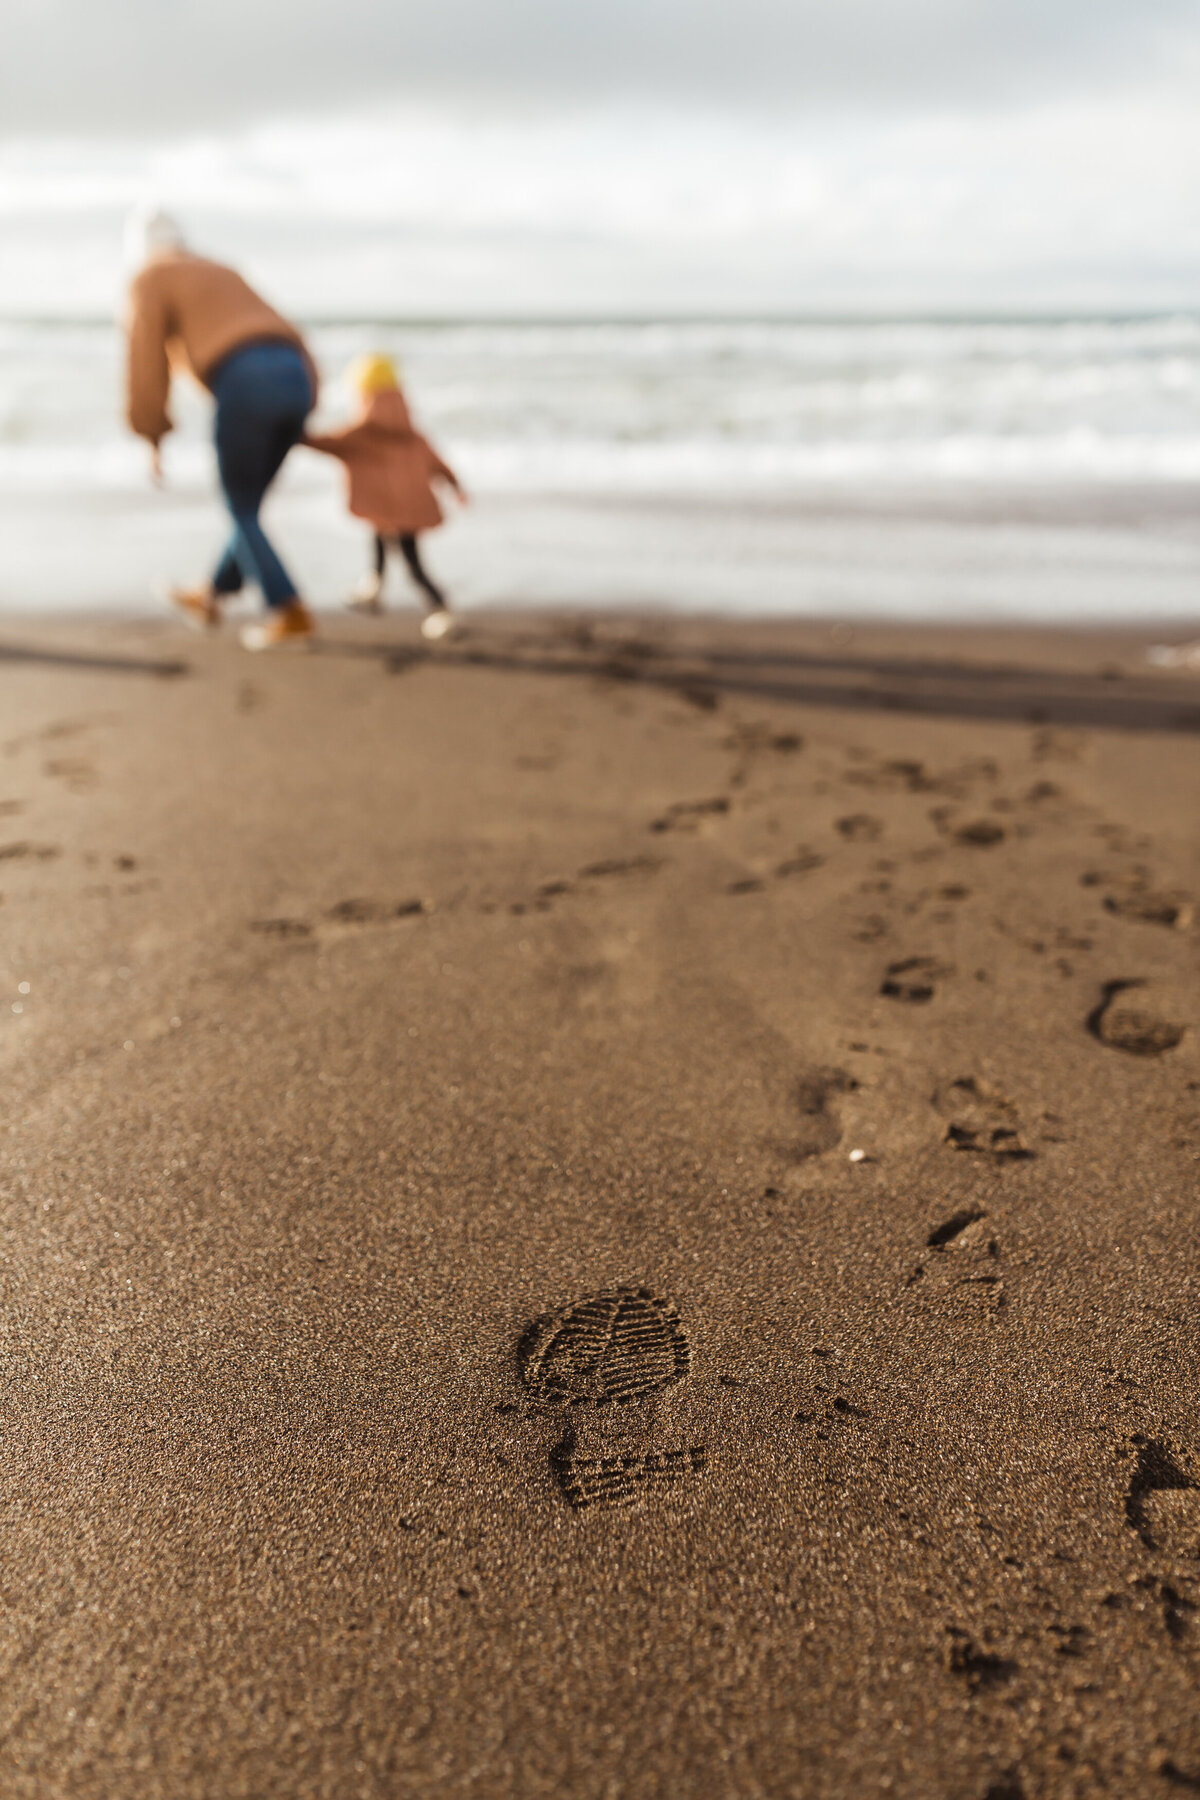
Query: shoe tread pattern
{"x": 609, "y": 1350}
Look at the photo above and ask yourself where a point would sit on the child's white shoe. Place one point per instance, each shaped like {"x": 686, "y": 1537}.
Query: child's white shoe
{"x": 437, "y": 625}
{"x": 367, "y": 596}
{"x": 1175, "y": 656}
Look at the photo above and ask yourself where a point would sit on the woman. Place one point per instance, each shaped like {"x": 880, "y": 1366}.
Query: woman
{"x": 188, "y": 313}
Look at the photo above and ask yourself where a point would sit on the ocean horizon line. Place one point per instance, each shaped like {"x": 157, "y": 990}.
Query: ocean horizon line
{"x": 567, "y": 320}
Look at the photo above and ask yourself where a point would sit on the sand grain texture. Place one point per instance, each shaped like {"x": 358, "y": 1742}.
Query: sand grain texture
{"x": 375, "y": 1006}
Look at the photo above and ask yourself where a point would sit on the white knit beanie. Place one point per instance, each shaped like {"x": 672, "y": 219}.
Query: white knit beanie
{"x": 150, "y": 232}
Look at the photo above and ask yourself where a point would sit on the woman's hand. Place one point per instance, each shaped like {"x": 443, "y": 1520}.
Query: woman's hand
{"x": 157, "y": 478}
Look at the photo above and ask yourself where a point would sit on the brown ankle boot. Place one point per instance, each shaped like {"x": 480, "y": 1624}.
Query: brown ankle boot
{"x": 290, "y": 624}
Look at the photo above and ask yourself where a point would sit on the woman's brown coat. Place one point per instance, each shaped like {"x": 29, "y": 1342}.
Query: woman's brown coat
{"x": 186, "y": 312}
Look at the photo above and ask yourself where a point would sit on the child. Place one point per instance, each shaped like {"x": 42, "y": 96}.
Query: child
{"x": 391, "y": 470}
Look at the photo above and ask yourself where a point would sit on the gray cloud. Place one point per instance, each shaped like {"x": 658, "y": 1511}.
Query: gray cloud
{"x": 136, "y": 66}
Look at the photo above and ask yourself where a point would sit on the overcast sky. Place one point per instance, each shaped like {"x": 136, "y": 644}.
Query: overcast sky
{"x": 72, "y": 64}
{"x": 627, "y": 154}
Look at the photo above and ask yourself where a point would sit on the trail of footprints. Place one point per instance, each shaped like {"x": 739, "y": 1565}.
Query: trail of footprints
{"x": 357, "y": 912}
{"x": 1129, "y": 1015}
{"x": 601, "y": 1366}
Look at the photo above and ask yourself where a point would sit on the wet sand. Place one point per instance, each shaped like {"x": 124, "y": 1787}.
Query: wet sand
{"x": 932, "y": 551}
{"x": 754, "y": 1007}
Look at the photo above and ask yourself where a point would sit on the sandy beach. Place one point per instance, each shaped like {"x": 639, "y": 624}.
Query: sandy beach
{"x": 608, "y": 1211}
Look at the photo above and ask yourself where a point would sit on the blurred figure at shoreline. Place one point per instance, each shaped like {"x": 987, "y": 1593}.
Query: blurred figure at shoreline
{"x": 1175, "y": 656}
{"x": 189, "y": 314}
{"x": 391, "y": 470}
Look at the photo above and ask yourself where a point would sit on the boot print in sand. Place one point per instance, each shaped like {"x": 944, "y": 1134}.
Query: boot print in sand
{"x": 606, "y": 1361}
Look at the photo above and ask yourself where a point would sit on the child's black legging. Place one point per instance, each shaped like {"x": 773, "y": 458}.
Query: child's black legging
{"x": 407, "y": 545}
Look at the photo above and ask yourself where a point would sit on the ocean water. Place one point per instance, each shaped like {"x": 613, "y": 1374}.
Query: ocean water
{"x": 903, "y": 468}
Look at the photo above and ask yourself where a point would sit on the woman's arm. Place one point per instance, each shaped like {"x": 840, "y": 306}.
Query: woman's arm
{"x": 332, "y": 443}
{"x": 327, "y": 444}
{"x": 147, "y": 371}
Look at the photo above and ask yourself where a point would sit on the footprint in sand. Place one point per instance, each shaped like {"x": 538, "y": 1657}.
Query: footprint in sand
{"x": 980, "y": 1119}
{"x": 78, "y": 776}
{"x": 704, "y": 699}
{"x": 1164, "y": 1764}
{"x": 281, "y": 928}
{"x": 903, "y": 774}
{"x": 750, "y": 742}
{"x": 1162, "y": 1501}
{"x": 964, "y": 1264}
{"x": 374, "y": 912}
{"x": 1005, "y": 1787}
{"x": 1131, "y": 897}
{"x": 1129, "y": 1018}
{"x": 964, "y": 1229}
{"x": 1051, "y": 745}
{"x": 621, "y": 865}
{"x": 980, "y": 833}
{"x": 914, "y": 979}
{"x": 688, "y": 815}
{"x": 357, "y": 912}
{"x": 859, "y": 828}
{"x": 344, "y": 912}
{"x": 758, "y": 738}
{"x": 607, "y": 1359}
{"x": 1146, "y": 907}
{"x": 870, "y": 930}
{"x": 975, "y": 1664}
{"x": 25, "y": 851}
{"x": 52, "y": 734}
{"x": 819, "y": 1128}
{"x": 544, "y": 896}
{"x": 802, "y": 863}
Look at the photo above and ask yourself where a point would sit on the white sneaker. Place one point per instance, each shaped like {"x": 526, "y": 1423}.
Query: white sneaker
{"x": 437, "y": 625}
{"x": 367, "y": 596}
{"x": 1175, "y": 656}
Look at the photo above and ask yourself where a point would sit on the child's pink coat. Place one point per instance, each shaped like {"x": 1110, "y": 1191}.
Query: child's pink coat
{"x": 390, "y": 467}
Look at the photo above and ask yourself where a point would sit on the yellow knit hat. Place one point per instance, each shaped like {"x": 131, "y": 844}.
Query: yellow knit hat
{"x": 372, "y": 374}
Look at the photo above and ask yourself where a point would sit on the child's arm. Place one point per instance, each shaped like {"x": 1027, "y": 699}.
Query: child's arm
{"x": 441, "y": 471}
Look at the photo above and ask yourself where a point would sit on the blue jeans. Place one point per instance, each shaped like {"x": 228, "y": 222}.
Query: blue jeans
{"x": 263, "y": 396}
